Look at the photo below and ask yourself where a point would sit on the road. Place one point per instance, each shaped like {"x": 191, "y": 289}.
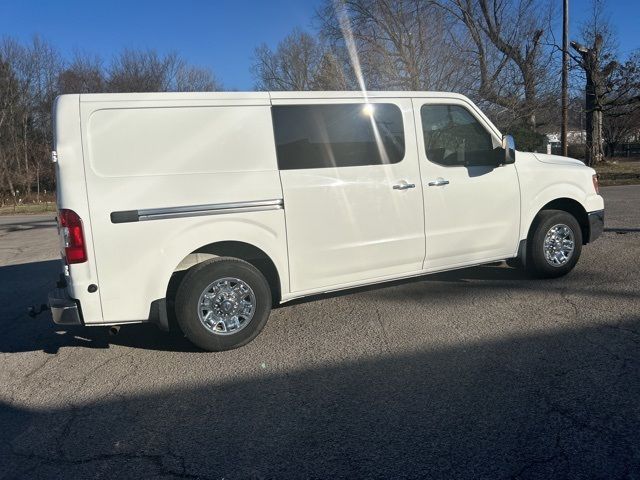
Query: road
{"x": 478, "y": 373}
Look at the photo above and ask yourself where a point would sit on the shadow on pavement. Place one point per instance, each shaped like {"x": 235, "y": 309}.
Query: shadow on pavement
{"x": 622, "y": 230}
{"x": 27, "y": 225}
{"x": 555, "y": 405}
{"x": 28, "y": 284}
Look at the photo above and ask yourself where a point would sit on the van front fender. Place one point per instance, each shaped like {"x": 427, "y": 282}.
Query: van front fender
{"x": 557, "y": 191}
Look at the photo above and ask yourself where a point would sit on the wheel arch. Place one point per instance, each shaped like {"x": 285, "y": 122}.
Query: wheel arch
{"x": 229, "y": 248}
{"x": 569, "y": 205}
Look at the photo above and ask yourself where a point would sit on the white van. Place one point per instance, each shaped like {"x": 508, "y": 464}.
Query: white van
{"x": 239, "y": 201}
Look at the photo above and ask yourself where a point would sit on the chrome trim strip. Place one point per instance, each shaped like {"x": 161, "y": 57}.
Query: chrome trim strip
{"x": 196, "y": 210}
{"x": 212, "y": 209}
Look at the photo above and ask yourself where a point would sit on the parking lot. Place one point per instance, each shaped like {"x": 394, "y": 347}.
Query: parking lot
{"x": 477, "y": 373}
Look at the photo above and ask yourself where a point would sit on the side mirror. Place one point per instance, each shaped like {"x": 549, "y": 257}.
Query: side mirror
{"x": 502, "y": 155}
{"x": 509, "y": 147}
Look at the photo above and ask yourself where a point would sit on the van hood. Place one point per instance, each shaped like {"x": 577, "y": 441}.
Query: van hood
{"x": 557, "y": 159}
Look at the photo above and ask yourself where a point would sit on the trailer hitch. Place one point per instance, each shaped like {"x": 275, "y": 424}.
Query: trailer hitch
{"x": 34, "y": 311}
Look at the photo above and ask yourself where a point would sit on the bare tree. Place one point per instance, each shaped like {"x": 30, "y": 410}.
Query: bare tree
{"x": 44, "y": 64}
{"x": 85, "y": 74}
{"x": 300, "y": 62}
{"x": 329, "y": 74}
{"x": 32, "y": 74}
{"x": 402, "y": 44}
{"x": 508, "y": 51}
{"x": 596, "y": 79}
{"x": 618, "y": 129}
{"x": 492, "y": 50}
{"x": 147, "y": 71}
{"x": 195, "y": 79}
{"x": 142, "y": 71}
{"x": 27, "y": 129}
{"x": 9, "y": 97}
{"x": 611, "y": 88}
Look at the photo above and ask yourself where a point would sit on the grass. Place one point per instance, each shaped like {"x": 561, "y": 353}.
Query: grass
{"x": 28, "y": 208}
{"x": 619, "y": 171}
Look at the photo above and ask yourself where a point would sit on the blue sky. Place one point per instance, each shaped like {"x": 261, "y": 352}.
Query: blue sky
{"x": 218, "y": 34}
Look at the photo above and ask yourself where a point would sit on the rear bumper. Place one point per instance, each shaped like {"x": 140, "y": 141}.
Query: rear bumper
{"x": 64, "y": 309}
{"x": 596, "y": 225}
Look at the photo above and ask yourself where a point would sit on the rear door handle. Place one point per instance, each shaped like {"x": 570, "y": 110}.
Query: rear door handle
{"x": 403, "y": 185}
{"x": 438, "y": 182}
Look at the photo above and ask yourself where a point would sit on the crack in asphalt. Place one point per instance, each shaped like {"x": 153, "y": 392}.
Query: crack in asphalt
{"x": 385, "y": 337}
{"x": 40, "y": 367}
{"x": 61, "y": 457}
{"x": 634, "y": 336}
{"x": 565, "y": 296}
{"x": 600, "y": 430}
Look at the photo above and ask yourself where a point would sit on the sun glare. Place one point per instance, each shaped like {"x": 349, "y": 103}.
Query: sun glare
{"x": 368, "y": 110}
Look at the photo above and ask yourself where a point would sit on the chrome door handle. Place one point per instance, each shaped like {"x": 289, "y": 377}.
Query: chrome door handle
{"x": 404, "y": 186}
{"x": 438, "y": 182}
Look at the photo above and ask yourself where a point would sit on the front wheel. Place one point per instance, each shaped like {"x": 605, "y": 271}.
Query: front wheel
{"x": 555, "y": 245}
{"x": 223, "y": 303}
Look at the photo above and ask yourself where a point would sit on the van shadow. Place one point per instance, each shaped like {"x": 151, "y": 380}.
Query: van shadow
{"x": 560, "y": 404}
{"x": 27, "y": 225}
{"x": 492, "y": 272}
{"x": 28, "y": 284}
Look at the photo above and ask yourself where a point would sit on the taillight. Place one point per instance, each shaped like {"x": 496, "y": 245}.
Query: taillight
{"x": 596, "y": 185}
{"x": 71, "y": 230}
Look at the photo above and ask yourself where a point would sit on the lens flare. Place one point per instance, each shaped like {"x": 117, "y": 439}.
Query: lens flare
{"x": 347, "y": 35}
{"x": 368, "y": 110}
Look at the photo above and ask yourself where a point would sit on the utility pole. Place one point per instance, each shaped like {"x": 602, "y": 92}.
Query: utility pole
{"x": 565, "y": 77}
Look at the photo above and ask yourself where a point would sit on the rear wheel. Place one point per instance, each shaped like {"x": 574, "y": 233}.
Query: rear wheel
{"x": 555, "y": 244}
{"x": 223, "y": 303}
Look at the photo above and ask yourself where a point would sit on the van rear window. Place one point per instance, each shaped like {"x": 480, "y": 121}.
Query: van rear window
{"x": 338, "y": 135}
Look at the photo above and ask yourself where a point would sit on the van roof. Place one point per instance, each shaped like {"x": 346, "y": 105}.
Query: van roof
{"x": 263, "y": 96}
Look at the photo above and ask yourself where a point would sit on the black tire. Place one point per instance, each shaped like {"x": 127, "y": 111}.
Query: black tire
{"x": 536, "y": 264}
{"x": 194, "y": 284}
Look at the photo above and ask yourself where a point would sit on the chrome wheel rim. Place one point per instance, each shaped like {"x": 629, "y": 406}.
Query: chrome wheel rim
{"x": 559, "y": 245}
{"x": 226, "y": 306}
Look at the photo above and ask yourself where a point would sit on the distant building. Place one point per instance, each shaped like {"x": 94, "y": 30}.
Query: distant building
{"x": 574, "y": 137}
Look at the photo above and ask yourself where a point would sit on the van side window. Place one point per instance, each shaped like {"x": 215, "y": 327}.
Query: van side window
{"x": 338, "y": 135}
{"x": 453, "y": 137}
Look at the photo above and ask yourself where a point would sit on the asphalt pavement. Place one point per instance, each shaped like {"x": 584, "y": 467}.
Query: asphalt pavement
{"x": 477, "y": 373}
